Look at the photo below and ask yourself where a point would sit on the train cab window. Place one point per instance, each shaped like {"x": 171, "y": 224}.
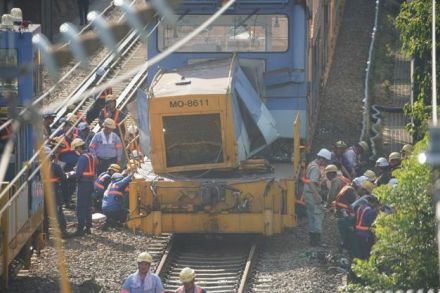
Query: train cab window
{"x": 8, "y": 58}
{"x": 229, "y": 33}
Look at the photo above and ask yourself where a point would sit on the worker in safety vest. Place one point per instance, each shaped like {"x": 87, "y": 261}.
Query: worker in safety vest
{"x": 383, "y": 170}
{"x": 364, "y": 191}
{"x": 68, "y": 156}
{"x": 406, "y": 151}
{"x": 365, "y": 216}
{"x": 344, "y": 214}
{"x": 336, "y": 182}
{"x": 188, "y": 278}
{"x": 114, "y": 202}
{"x": 110, "y": 111}
{"x": 85, "y": 175}
{"x": 102, "y": 183}
{"x": 143, "y": 280}
{"x": 394, "y": 160}
{"x": 312, "y": 197}
{"x": 99, "y": 104}
{"x": 353, "y": 157}
{"x": 338, "y": 158}
{"x": 106, "y": 146}
{"x": 57, "y": 177}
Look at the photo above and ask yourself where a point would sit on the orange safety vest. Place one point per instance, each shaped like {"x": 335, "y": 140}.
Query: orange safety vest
{"x": 308, "y": 169}
{"x": 113, "y": 189}
{"x": 345, "y": 180}
{"x": 360, "y": 218}
{"x": 182, "y": 289}
{"x": 107, "y": 115}
{"x": 340, "y": 198}
{"x": 91, "y": 166}
{"x": 65, "y": 146}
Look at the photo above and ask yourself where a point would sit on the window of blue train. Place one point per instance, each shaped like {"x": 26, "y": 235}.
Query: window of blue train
{"x": 8, "y": 59}
{"x": 229, "y": 33}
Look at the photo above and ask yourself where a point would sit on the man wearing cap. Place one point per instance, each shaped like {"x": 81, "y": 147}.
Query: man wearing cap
{"x": 85, "y": 133}
{"x": 338, "y": 158}
{"x": 365, "y": 216}
{"x": 383, "y": 170}
{"x": 68, "y": 156}
{"x": 110, "y": 111}
{"x": 143, "y": 281}
{"x": 114, "y": 202}
{"x": 336, "y": 182}
{"x": 85, "y": 175}
{"x": 106, "y": 146}
{"x": 406, "y": 151}
{"x": 188, "y": 278}
{"x": 312, "y": 197}
{"x": 394, "y": 161}
{"x": 353, "y": 156}
{"x": 102, "y": 183}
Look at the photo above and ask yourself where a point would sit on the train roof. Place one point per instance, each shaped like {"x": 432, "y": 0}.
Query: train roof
{"x": 205, "y": 77}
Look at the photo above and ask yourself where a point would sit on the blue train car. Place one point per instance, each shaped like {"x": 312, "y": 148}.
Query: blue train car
{"x": 20, "y": 83}
{"x": 282, "y": 45}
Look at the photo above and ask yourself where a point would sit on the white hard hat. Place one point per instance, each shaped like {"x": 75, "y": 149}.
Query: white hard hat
{"x": 117, "y": 176}
{"x": 393, "y": 182}
{"x": 47, "y": 150}
{"x": 187, "y": 275}
{"x": 382, "y": 162}
{"x": 144, "y": 257}
{"x": 325, "y": 153}
{"x": 359, "y": 180}
{"x": 131, "y": 129}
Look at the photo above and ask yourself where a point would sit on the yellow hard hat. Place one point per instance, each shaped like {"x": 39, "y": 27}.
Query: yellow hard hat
{"x": 109, "y": 98}
{"x": 71, "y": 118}
{"x": 341, "y": 144}
{"x": 363, "y": 145}
{"x": 331, "y": 168}
{"x": 187, "y": 275}
{"x": 110, "y": 123}
{"x": 368, "y": 186}
{"x": 77, "y": 142}
{"x": 394, "y": 156}
{"x": 114, "y": 167}
{"x": 144, "y": 257}
{"x": 370, "y": 175}
{"x": 407, "y": 149}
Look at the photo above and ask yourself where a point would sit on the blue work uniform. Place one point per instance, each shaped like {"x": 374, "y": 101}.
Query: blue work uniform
{"x": 57, "y": 177}
{"x": 365, "y": 216}
{"x": 101, "y": 185}
{"x": 70, "y": 158}
{"x": 85, "y": 174}
{"x": 113, "y": 202}
{"x": 150, "y": 284}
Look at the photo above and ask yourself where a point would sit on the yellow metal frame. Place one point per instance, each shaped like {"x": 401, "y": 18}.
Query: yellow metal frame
{"x": 177, "y": 207}
{"x": 217, "y": 104}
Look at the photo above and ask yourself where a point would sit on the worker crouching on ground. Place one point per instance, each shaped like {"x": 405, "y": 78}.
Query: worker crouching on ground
{"x": 188, "y": 278}
{"x": 143, "y": 281}
{"x": 364, "y": 237}
{"x": 106, "y": 146}
{"x": 312, "y": 196}
{"x": 85, "y": 174}
{"x": 101, "y": 184}
{"x": 114, "y": 202}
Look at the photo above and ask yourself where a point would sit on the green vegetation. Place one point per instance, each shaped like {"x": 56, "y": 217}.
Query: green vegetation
{"x": 405, "y": 254}
{"x": 414, "y": 23}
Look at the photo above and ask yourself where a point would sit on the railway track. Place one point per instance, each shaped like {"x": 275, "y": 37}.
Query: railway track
{"x": 222, "y": 263}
